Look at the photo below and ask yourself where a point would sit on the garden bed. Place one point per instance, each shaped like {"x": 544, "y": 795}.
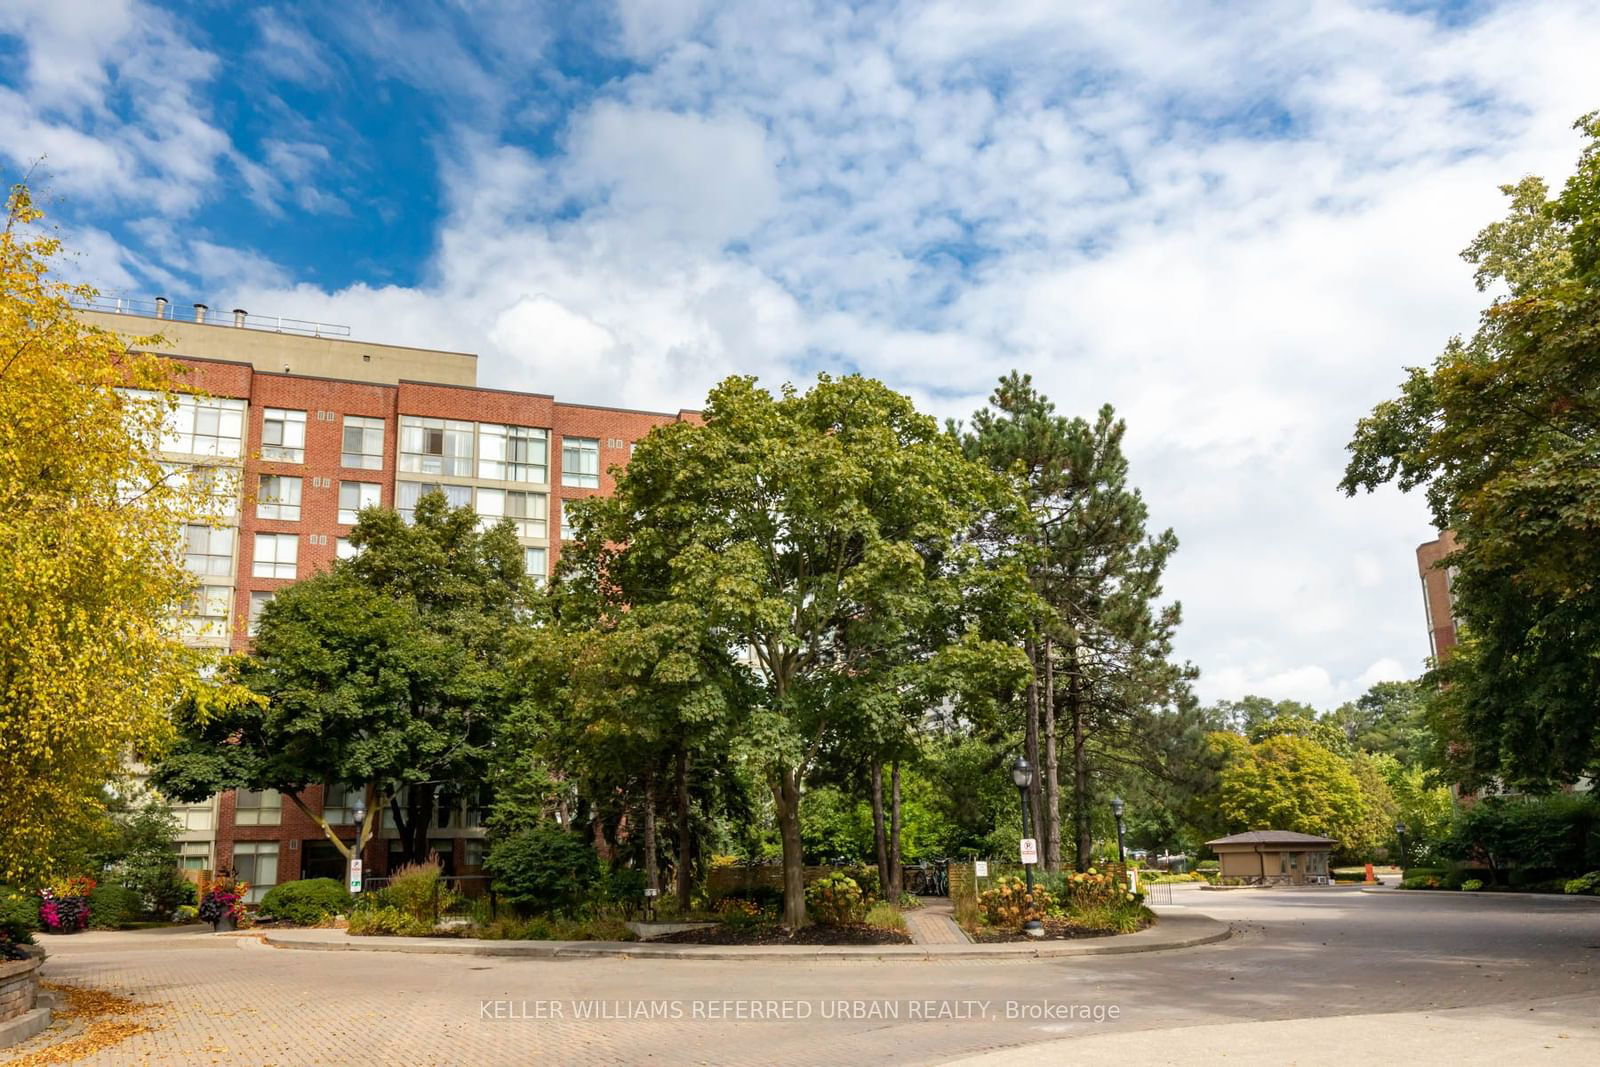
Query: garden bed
{"x": 1054, "y": 930}
{"x": 773, "y": 934}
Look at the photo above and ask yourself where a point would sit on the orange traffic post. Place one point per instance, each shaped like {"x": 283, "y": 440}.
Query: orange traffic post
{"x": 1370, "y": 878}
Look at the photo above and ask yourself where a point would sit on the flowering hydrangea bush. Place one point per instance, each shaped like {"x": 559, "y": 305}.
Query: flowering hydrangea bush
{"x": 835, "y": 900}
{"x": 64, "y": 905}
{"x": 1009, "y": 904}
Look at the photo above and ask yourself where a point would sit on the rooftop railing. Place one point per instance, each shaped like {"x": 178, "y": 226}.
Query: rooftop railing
{"x": 160, "y": 308}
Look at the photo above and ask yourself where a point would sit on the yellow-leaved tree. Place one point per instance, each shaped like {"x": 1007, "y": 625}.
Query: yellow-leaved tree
{"x": 91, "y": 575}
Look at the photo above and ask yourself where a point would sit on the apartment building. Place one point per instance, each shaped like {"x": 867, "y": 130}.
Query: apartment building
{"x": 296, "y": 428}
{"x": 1438, "y": 599}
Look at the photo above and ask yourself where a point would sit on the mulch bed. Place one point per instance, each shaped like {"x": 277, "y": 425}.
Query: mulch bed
{"x": 772, "y": 934}
{"x": 1054, "y": 930}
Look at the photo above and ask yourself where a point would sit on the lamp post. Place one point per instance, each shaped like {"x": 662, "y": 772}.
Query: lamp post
{"x": 355, "y": 849}
{"x": 1116, "y": 810}
{"x": 1400, "y": 832}
{"x": 1022, "y": 776}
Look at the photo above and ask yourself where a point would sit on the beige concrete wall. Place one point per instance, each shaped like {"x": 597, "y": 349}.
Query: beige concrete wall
{"x": 320, "y": 357}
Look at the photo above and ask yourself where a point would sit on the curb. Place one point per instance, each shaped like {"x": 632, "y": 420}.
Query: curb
{"x": 16, "y": 1030}
{"x": 1181, "y": 931}
{"x": 1563, "y": 898}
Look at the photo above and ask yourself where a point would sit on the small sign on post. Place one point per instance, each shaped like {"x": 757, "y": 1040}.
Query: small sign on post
{"x": 355, "y": 876}
{"x": 652, "y": 892}
{"x": 980, "y": 868}
{"x": 1030, "y": 850}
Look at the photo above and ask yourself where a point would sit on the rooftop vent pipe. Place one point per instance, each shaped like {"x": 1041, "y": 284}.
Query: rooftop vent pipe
{"x": 161, "y": 307}
{"x": 200, "y": 312}
{"x": 238, "y": 316}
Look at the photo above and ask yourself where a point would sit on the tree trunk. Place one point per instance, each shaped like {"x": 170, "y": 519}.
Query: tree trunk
{"x": 685, "y": 870}
{"x": 1030, "y": 743}
{"x": 786, "y": 795}
{"x": 597, "y": 833}
{"x": 1080, "y": 759}
{"x": 880, "y": 842}
{"x": 414, "y": 823}
{"x": 652, "y": 873}
{"x": 896, "y": 871}
{"x": 1051, "y": 771}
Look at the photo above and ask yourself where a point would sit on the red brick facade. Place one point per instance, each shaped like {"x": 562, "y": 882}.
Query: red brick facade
{"x": 325, "y": 402}
{"x": 1437, "y": 598}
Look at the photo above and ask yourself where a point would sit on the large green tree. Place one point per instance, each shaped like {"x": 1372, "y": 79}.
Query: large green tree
{"x": 1099, "y": 640}
{"x": 387, "y": 671}
{"x": 817, "y": 534}
{"x": 1503, "y": 433}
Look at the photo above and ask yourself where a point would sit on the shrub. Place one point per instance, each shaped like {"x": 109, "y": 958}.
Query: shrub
{"x": 1083, "y": 890}
{"x": 1472, "y": 885}
{"x": 1589, "y": 883}
{"x": 111, "y": 905}
{"x": 307, "y": 902}
{"x": 866, "y": 876}
{"x": 835, "y": 900}
{"x": 544, "y": 869}
{"x": 386, "y": 920}
{"x": 417, "y": 890}
{"x": 909, "y": 901}
{"x": 885, "y": 917}
{"x": 765, "y": 897}
{"x": 64, "y": 905}
{"x": 624, "y": 888}
{"x": 19, "y": 916}
{"x": 1008, "y": 903}
{"x": 186, "y": 913}
{"x": 1428, "y": 881}
{"x": 1123, "y": 917}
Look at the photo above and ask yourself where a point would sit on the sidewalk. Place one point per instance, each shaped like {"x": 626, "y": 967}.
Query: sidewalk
{"x": 1174, "y": 931}
{"x": 934, "y": 923}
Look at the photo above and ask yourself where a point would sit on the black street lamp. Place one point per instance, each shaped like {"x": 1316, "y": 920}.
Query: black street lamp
{"x": 1022, "y": 775}
{"x": 1400, "y": 832}
{"x": 1116, "y": 810}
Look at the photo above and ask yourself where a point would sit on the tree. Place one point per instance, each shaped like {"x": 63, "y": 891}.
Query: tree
{"x": 1290, "y": 783}
{"x": 91, "y": 577}
{"x": 1389, "y": 719}
{"x": 816, "y": 533}
{"x": 1503, "y": 433}
{"x": 387, "y": 671}
{"x": 1100, "y": 643}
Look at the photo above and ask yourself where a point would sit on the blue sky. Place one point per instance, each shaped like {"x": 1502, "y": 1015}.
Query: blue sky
{"x": 1235, "y": 222}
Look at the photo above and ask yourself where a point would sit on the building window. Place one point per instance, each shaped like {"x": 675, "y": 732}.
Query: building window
{"x": 513, "y": 453}
{"x": 277, "y": 555}
{"x": 206, "y": 614}
{"x": 569, "y": 531}
{"x": 363, "y": 443}
{"x": 204, "y": 426}
{"x": 208, "y": 550}
{"x": 278, "y": 498}
{"x": 536, "y": 562}
{"x": 193, "y": 855}
{"x": 220, "y": 487}
{"x": 435, "y": 446}
{"x": 525, "y": 510}
{"x": 580, "y": 462}
{"x": 345, "y": 549}
{"x": 339, "y": 803}
{"x": 256, "y": 862}
{"x": 253, "y": 807}
{"x": 259, "y": 600}
{"x": 472, "y": 852}
{"x": 283, "y": 435}
{"x": 353, "y": 496}
{"x": 407, "y": 494}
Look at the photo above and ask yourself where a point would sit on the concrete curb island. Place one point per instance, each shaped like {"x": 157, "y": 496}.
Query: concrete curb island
{"x": 1171, "y": 932}
{"x": 1514, "y": 898}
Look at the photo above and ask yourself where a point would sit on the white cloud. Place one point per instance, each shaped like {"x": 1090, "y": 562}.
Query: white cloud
{"x": 1236, "y": 224}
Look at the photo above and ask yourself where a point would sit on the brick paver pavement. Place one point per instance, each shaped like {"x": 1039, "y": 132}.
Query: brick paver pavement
{"x": 934, "y": 923}
{"x": 1313, "y": 954}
